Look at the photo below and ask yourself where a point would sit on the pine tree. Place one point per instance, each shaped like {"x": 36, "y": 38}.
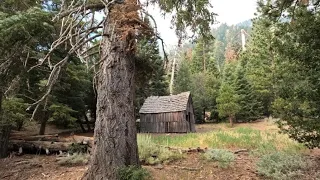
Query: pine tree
{"x": 261, "y": 60}
{"x": 227, "y": 100}
{"x": 183, "y": 77}
{"x": 297, "y": 44}
{"x": 204, "y": 88}
{"x": 150, "y": 73}
{"x": 250, "y": 106}
{"x": 202, "y": 56}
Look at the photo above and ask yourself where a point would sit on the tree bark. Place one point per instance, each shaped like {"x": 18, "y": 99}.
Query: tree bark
{"x": 204, "y": 115}
{"x": 44, "y": 119}
{"x": 231, "y": 120}
{"x": 42, "y": 127}
{"x": 115, "y": 136}
{"x": 204, "y": 57}
{"x": 4, "y": 140}
{"x": 87, "y": 121}
{"x": 1, "y": 97}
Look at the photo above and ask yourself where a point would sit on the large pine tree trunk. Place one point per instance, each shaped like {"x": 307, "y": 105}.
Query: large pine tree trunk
{"x": 115, "y": 135}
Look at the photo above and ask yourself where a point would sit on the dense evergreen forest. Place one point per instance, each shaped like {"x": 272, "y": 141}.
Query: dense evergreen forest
{"x": 68, "y": 83}
{"x": 276, "y": 75}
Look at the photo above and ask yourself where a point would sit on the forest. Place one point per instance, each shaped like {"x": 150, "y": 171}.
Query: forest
{"x": 74, "y": 75}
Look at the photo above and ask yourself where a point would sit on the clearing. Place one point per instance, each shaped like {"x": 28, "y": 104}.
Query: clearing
{"x": 257, "y": 139}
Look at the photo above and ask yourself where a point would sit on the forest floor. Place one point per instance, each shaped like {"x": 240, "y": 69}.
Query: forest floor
{"x": 192, "y": 166}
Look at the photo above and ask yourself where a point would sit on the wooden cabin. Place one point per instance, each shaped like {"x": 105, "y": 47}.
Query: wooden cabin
{"x": 167, "y": 114}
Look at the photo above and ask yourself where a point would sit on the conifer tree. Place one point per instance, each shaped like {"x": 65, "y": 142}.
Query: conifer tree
{"x": 183, "y": 77}
{"x": 261, "y": 60}
{"x": 227, "y": 100}
{"x": 297, "y": 43}
{"x": 151, "y": 77}
{"x": 250, "y": 106}
{"x": 202, "y": 59}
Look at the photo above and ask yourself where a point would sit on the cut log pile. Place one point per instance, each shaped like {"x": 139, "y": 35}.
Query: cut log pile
{"x": 48, "y": 144}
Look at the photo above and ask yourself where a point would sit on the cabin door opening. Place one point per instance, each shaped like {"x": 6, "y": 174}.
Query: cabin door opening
{"x": 167, "y": 127}
{"x": 188, "y": 120}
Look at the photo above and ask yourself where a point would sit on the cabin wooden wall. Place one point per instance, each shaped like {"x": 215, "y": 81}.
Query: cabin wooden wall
{"x": 192, "y": 119}
{"x": 171, "y": 122}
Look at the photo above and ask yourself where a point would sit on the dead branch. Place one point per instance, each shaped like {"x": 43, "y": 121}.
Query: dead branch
{"x": 240, "y": 151}
{"x": 188, "y": 168}
{"x": 96, "y": 7}
{"x": 156, "y": 34}
{"x": 78, "y": 28}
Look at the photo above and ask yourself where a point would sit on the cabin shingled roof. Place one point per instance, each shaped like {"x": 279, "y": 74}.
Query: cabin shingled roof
{"x": 161, "y": 104}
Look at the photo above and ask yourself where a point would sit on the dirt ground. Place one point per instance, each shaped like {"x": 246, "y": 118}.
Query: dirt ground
{"x": 192, "y": 167}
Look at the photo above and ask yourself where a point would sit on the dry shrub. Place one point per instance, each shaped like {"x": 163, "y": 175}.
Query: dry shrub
{"x": 76, "y": 159}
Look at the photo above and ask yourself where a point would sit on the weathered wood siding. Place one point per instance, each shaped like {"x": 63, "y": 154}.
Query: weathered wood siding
{"x": 191, "y": 111}
{"x": 169, "y": 122}
{"x": 164, "y": 123}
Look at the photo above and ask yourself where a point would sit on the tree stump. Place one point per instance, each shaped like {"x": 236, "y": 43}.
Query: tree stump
{"x": 4, "y": 140}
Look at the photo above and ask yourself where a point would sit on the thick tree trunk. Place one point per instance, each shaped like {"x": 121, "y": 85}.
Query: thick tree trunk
{"x": 115, "y": 135}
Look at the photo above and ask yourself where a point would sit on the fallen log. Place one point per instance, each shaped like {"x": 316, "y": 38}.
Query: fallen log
{"x": 52, "y": 138}
{"x": 38, "y": 146}
{"x": 56, "y": 138}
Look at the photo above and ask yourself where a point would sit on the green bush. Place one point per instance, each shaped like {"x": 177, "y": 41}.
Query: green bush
{"x": 133, "y": 173}
{"x": 74, "y": 159}
{"x": 14, "y": 112}
{"x": 151, "y": 153}
{"x": 223, "y": 157}
{"x": 281, "y": 166}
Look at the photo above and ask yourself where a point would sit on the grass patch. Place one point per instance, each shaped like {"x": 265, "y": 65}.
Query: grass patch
{"x": 258, "y": 142}
{"x": 223, "y": 157}
{"x": 151, "y": 153}
{"x": 75, "y": 159}
{"x": 133, "y": 173}
{"x": 282, "y": 166}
